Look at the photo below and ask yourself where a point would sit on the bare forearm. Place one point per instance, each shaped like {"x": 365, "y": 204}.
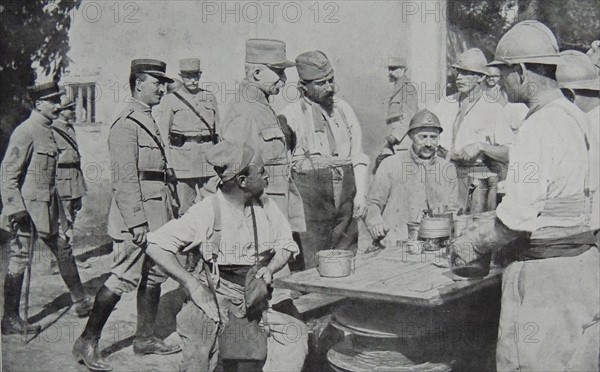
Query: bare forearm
{"x": 169, "y": 263}
{"x": 278, "y": 261}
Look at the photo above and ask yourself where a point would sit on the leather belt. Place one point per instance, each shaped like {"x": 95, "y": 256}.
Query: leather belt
{"x": 198, "y": 139}
{"x": 68, "y": 165}
{"x": 152, "y": 176}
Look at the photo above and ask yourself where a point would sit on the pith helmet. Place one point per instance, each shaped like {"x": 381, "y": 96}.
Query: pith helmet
{"x": 528, "y": 41}
{"x": 424, "y": 119}
{"x": 578, "y": 71}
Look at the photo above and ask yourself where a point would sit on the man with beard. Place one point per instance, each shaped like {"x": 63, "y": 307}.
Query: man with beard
{"x": 409, "y": 182}
{"x": 189, "y": 122}
{"x": 251, "y": 120}
{"x": 30, "y": 206}
{"x": 329, "y": 165}
{"x": 550, "y": 304}
{"x": 235, "y": 229}
{"x": 141, "y": 202}
{"x": 476, "y": 130}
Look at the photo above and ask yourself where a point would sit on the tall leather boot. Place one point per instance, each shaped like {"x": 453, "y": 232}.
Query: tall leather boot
{"x": 147, "y": 308}
{"x": 85, "y": 348}
{"x": 11, "y": 321}
{"x": 68, "y": 271}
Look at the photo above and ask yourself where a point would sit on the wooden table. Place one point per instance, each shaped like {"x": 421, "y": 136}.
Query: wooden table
{"x": 393, "y": 275}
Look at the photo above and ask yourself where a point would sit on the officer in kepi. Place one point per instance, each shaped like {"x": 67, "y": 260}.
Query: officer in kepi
{"x": 31, "y": 203}
{"x": 142, "y": 202}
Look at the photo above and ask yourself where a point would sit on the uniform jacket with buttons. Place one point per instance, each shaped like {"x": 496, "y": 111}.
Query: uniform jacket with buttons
{"x": 132, "y": 150}
{"x": 28, "y": 174}
{"x": 69, "y": 177}
{"x": 252, "y": 121}
{"x": 189, "y": 160}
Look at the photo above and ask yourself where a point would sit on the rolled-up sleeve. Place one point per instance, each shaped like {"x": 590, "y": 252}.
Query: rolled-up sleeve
{"x": 379, "y": 193}
{"x": 282, "y": 230}
{"x": 187, "y": 232}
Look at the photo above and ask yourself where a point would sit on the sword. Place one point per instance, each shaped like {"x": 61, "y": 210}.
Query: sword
{"x": 30, "y": 245}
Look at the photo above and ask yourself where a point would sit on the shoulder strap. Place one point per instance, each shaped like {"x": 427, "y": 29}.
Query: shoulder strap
{"x": 156, "y": 139}
{"x": 185, "y": 102}
{"x": 67, "y": 138}
{"x": 217, "y": 224}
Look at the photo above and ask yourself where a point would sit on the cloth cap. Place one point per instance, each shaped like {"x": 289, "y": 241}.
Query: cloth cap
{"x": 425, "y": 119}
{"x": 189, "y": 65}
{"x": 472, "y": 60}
{"x": 578, "y": 71}
{"x": 313, "y": 65}
{"x": 44, "y": 91}
{"x": 267, "y": 52}
{"x": 396, "y": 62}
{"x": 229, "y": 158}
{"x": 152, "y": 67}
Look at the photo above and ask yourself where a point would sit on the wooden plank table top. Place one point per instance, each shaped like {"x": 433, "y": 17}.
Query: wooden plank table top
{"x": 394, "y": 276}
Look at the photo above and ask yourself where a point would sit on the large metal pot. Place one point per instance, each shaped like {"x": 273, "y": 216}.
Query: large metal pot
{"x": 335, "y": 263}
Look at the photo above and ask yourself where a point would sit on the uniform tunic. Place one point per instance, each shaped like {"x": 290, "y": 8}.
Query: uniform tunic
{"x": 70, "y": 182}
{"x": 550, "y": 305}
{"x": 328, "y": 148}
{"x": 287, "y": 344}
{"x": 403, "y": 104}
{"x": 252, "y": 121}
{"x": 402, "y": 186}
{"x": 28, "y": 184}
{"x": 135, "y": 201}
{"x": 475, "y": 119}
{"x": 188, "y": 159}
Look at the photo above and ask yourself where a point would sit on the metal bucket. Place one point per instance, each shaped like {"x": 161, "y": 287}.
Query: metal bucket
{"x": 483, "y": 192}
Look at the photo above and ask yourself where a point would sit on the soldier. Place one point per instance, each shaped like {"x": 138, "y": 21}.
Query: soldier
{"x": 142, "y": 202}
{"x": 330, "y": 166}
{"x": 189, "y": 122}
{"x": 553, "y": 286}
{"x": 580, "y": 83}
{"x": 236, "y": 229}
{"x": 30, "y": 202}
{"x": 402, "y": 105}
{"x": 252, "y": 121}
{"x": 70, "y": 183}
{"x": 409, "y": 182}
{"x": 476, "y": 130}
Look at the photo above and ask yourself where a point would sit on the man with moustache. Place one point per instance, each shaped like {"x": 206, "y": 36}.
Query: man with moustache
{"x": 141, "y": 202}
{"x": 190, "y": 122}
{"x": 30, "y": 206}
{"x": 550, "y": 306}
{"x": 409, "y": 182}
{"x": 329, "y": 164}
{"x": 235, "y": 229}
{"x": 251, "y": 120}
{"x": 476, "y": 130}
{"x": 70, "y": 183}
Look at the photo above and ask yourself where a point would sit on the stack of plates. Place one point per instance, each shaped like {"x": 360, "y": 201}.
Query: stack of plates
{"x": 344, "y": 357}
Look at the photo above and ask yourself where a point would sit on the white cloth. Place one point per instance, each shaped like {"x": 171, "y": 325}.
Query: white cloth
{"x": 196, "y": 228}
{"x": 548, "y": 161}
{"x": 594, "y": 140}
{"x": 549, "y": 315}
{"x": 345, "y": 130}
{"x": 484, "y": 121}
